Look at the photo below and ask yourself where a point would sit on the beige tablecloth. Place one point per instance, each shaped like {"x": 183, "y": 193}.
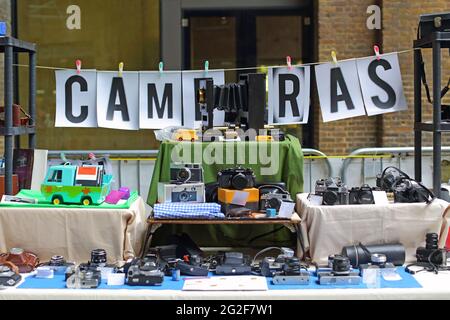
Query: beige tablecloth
{"x": 327, "y": 229}
{"x": 73, "y": 233}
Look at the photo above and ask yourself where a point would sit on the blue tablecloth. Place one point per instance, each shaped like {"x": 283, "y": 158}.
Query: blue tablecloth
{"x": 408, "y": 281}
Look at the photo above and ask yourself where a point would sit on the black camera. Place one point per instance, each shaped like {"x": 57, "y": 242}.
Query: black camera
{"x": 273, "y": 200}
{"x": 431, "y": 253}
{"x": 234, "y": 263}
{"x": 333, "y": 191}
{"x": 410, "y": 191}
{"x": 341, "y": 272}
{"x": 58, "y": 264}
{"x": 186, "y": 173}
{"x": 145, "y": 272}
{"x": 388, "y": 179}
{"x": 8, "y": 277}
{"x": 192, "y": 266}
{"x": 363, "y": 195}
{"x": 236, "y": 178}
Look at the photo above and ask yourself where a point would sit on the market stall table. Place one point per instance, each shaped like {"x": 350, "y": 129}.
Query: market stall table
{"x": 74, "y": 232}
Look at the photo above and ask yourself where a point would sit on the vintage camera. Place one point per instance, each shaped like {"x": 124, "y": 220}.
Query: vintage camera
{"x": 431, "y": 252}
{"x": 188, "y": 193}
{"x": 273, "y": 199}
{"x": 236, "y": 178}
{"x": 410, "y": 191}
{"x": 234, "y": 263}
{"x": 270, "y": 266}
{"x": 333, "y": 191}
{"x": 377, "y": 261}
{"x": 192, "y": 266}
{"x": 292, "y": 273}
{"x": 341, "y": 272}
{"x": 186, "y": 173}
{"x": 83, "y": 277}
{"x": 8, "y": 277}
{"x": 388, "y": 179}
{"x": 363, "y": 195}
{"x": 145, "y": 272}
{"x": 58, "y": 264}
{"x": 25, "y": 261}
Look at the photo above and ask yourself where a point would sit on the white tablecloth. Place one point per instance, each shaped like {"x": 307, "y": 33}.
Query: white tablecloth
{"x": 73, "y": 233}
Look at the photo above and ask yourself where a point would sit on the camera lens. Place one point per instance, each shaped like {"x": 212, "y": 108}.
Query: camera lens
{"x": 432, "y": 241}
{"x": 378, "y": 259}
{"x": 184, "y": 175}
{"x": 239, "y": 181}
{"x": 274, "y": 203}
{"x": 98, "y": 256}
{"x": 330, "y": 198}
{"x": 57, "y": 261}
{"x": 341, "y": 265}
{"x": 184, "y": 196}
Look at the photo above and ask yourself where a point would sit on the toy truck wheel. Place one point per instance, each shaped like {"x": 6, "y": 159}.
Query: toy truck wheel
{"x": 86, "y": 201}
{"x": 57, "y": 200}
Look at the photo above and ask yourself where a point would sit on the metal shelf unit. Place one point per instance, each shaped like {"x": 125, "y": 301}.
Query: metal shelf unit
{"x": 436, "y": 41}
{"x": 10, "y": 46}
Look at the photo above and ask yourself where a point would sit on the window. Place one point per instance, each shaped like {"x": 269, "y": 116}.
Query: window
{"x": 110, "y": 32}
{"x": 56, "y": 176}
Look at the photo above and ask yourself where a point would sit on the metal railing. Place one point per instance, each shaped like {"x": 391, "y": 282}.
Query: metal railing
{"x": 379, "y": 151}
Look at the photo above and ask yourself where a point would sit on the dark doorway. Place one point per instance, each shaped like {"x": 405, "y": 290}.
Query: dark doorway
{"x": 231, "y": 39}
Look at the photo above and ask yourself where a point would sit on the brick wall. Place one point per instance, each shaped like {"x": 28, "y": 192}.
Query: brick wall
{"x": 342, "y": 27}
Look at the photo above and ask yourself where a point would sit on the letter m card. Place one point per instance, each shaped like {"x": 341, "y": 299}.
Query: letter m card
{"x": 159, "y": 99}
{"x": 76, "y": 96}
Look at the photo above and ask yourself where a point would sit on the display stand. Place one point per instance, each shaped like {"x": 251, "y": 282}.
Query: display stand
{"x": 154, "y": 224}
{"x": 9, "y": 46}
{"x": 436, "y": 41}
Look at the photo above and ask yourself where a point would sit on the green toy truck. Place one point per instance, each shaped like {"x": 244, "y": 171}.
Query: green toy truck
{"x": 70, "y": 184}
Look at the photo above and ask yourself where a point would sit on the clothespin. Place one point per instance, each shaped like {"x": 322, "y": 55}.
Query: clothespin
{"x": 120, "y": 69}
{"x": 333, "y": 55}
{"x": 376, "y": 49}
{"x": 161, "y": 67}
{"x": 92, "y": 156}
{"x": 289, "y": 62}
{"x": 206, "y": 66}
{"x": 78, "y": 64}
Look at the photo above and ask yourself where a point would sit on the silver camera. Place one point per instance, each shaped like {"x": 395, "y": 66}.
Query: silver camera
{"x": 84, "y": 279}
{"x": 186, "y": 173}
{"x": 187, "y": 193}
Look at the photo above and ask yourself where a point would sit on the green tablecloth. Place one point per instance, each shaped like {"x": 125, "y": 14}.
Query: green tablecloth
{"x": 271, "y": 162}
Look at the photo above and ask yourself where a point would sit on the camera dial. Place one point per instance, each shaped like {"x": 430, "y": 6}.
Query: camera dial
{"x": 184, "y": 175}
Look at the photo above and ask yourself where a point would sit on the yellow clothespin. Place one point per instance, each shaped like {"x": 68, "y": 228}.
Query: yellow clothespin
{"x": 333, "y": 55}
{"x": 120, "y": 69}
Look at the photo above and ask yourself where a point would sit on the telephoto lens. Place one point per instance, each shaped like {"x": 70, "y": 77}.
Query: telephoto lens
{"x": 341, "y": 265}
{"x": 432, "y": 241}
{"x": 98, "y": 256}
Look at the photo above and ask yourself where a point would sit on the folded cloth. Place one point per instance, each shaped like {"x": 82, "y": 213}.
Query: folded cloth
{"x": 180, "y": 210}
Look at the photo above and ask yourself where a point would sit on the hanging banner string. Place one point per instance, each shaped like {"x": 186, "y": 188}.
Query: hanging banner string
{"x": 238, "y": 69}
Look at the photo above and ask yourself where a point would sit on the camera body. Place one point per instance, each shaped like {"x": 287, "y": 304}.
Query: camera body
{"x": 233, "y": 263}
{"x": 431, "y": 252}
{"x": 333, "y": 191}
{"x": 377, "y": 261}
{"x": 362, "y": 195}
{"x": 192, "y": 266}
{"x": 84, "y": 277}
{"x": 145, "y": 272}
{"x": 58, "y": 264}
{"x": 8, "y": 277}
{"x": 187, "y": 193}
{"x": 341, "y": 272}
{"x": 291, "y": 273}
{"x": 409, "y": 191}
{"x": 236, "y": 178}
{"x": 273, "y": 200}
{"x": 186, "y": 173}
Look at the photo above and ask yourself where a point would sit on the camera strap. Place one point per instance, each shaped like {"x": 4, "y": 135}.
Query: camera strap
{"x": 423, "y": 78}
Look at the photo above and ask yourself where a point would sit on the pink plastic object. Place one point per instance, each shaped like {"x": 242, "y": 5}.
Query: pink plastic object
{"x": 126, "y": 192}
{"x": 114, "y": 197}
